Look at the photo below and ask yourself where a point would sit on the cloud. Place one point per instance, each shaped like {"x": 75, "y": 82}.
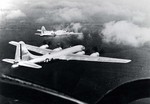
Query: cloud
{"x": 95, "y": 11}
{"x": 92, "y": 11}
{"x": 14, "y": 14}
{"x": 76, "y": 26}
{"x": 126, "y": 33}
{"x": 8, "y": 14}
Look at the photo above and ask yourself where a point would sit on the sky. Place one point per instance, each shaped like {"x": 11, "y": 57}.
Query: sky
{"x": 125, "y": 22}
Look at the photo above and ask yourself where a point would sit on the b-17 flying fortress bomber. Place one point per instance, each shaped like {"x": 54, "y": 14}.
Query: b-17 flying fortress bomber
{"x": 24, "y": 58}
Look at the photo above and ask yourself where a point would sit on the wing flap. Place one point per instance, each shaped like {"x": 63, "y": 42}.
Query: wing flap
{"x": 30, "y": 65}
{"x": 91, "y": 58}
{"x": 33, "y": 48}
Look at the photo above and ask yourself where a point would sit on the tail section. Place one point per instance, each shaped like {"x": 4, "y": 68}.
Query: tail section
{"x": 17, "y": 56}
{"x": 22, "y": 56}
{"x": 18, "y": 53}
{"x": 43, "y": 29}
{"x": 23, "y": 53}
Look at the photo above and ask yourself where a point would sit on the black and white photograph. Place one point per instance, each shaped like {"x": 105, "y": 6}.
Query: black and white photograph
{"x": 74, "y": 52}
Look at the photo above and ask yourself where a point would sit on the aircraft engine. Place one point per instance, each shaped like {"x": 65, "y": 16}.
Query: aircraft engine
{"x": 44, "y": 46}
{"x": 47, "y": 60}
{"x": 15, "y": 65}
{"x": 57, "y": 49}
{"x": 80, "y": 53}
{"x": 96, "y": 54}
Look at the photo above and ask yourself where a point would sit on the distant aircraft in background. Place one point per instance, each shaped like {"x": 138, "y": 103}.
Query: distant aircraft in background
{"x": 24, "y": 58}
{"x": 45, "y": 32}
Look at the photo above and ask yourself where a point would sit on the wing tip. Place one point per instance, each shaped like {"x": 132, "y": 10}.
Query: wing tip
{"x": 39, "y": 67}
{"x": 5, "y": 60}
{"x": 128, "y": 61}
{"x": 11, "y": 42}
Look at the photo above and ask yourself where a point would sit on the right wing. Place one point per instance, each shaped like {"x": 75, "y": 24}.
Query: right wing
{"x": 74, "y": 33}
{"x": 38, "y": 34}
{"x": 92, "y": 58}
{"x": 68, "y": 33}
{"x": 34, "y": 48}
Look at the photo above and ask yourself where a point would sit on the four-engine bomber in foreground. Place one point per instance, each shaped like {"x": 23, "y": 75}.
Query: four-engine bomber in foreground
{"x": 24, "y": 58}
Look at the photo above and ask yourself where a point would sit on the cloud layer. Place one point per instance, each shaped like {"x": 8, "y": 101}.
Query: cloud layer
{"x": 126, "y": 33}
{"x": 132, "y": 17}
{"x": 90, "y": 11}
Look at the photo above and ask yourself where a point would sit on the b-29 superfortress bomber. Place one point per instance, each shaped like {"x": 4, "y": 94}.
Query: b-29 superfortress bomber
{"x": 24, "y": 58}
{"x": 44, "y": 32}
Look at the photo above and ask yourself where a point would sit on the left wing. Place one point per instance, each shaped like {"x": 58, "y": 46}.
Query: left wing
{"x": 93, "y": 58}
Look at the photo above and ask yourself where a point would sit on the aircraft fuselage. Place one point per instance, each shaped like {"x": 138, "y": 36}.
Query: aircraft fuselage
{"x": 55, "y": 55}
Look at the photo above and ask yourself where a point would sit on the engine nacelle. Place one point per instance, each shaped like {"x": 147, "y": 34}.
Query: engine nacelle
{"x": 57, "y": 49}
{"x": 44, "y": 46}
{"x": 47, "y": 60}
{"x": 15, "y": 65}
{"x": 96, "y": 54}
{"x": 80, "y": 53}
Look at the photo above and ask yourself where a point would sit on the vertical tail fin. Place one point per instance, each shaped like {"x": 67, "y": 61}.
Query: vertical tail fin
{"x": 22, "y": 52}
{"x": 43, "y": 29}
{"x": 22, "y": 56}
{"x": 18, "y": 53}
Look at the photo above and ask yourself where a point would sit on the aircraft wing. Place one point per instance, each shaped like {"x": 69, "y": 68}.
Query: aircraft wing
{"x": 93, "y": 58}
{"x": 34, "y": 48}
{"x": 70, "y": 33}
{"x": 67, "y": 33}
{"x": 75, "y": 33}
{"x": 30, "y": 65}
{"x": 39, "y": 30}
{"x": 37, "y": 33}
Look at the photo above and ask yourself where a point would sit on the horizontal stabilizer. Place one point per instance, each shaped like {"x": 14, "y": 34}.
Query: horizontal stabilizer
{"x": 9, "y": 60}
{"x": 14, "y": 43}
{"x": 30, "y": 65}
{"x": 39, "y": 30}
